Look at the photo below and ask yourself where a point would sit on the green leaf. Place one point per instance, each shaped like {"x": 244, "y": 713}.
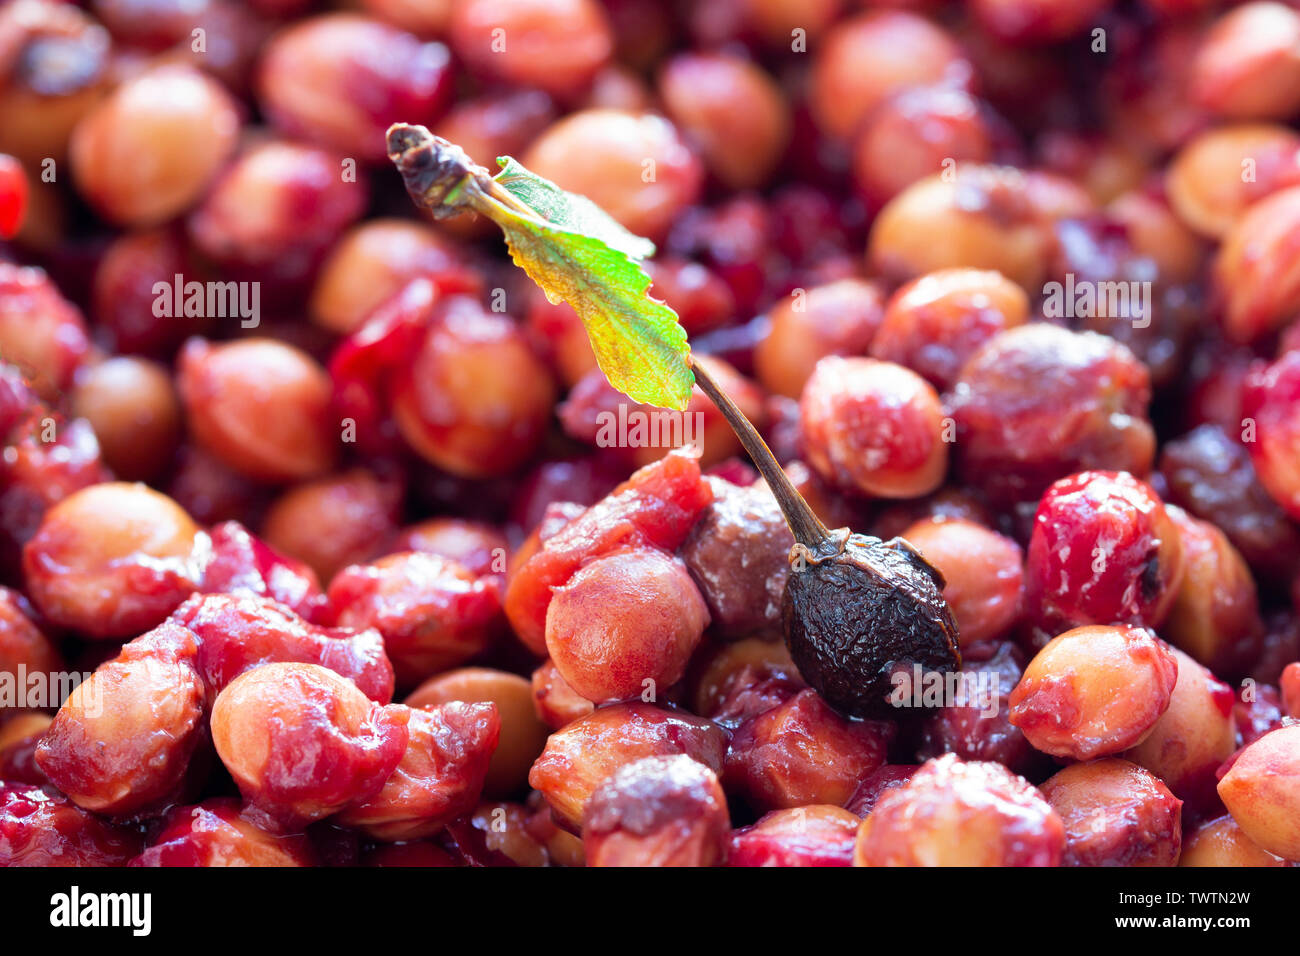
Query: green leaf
{"x": 569, "y": 247}
{"x": 569, "y": 211}
{"x": 639, "y": 344}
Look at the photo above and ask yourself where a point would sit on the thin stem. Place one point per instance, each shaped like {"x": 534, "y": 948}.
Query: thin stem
{"x": 494, "y": 190}
{"x": 806, "y": 527}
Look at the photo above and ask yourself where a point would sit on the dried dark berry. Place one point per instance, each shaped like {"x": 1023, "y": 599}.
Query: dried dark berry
{"x": 859, "y": 610}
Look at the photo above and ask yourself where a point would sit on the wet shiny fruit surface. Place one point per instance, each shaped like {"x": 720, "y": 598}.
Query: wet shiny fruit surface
{"x": 13, "y": 196}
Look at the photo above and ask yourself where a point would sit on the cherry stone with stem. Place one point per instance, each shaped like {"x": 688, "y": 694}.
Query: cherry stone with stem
{"x": 862, "y": 617}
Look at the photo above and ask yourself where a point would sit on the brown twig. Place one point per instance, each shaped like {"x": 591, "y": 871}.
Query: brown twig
{"x": 804, "y": 524}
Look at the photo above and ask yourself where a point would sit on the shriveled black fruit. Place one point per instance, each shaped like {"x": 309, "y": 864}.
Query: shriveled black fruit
{"x": 856, "y": 611}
